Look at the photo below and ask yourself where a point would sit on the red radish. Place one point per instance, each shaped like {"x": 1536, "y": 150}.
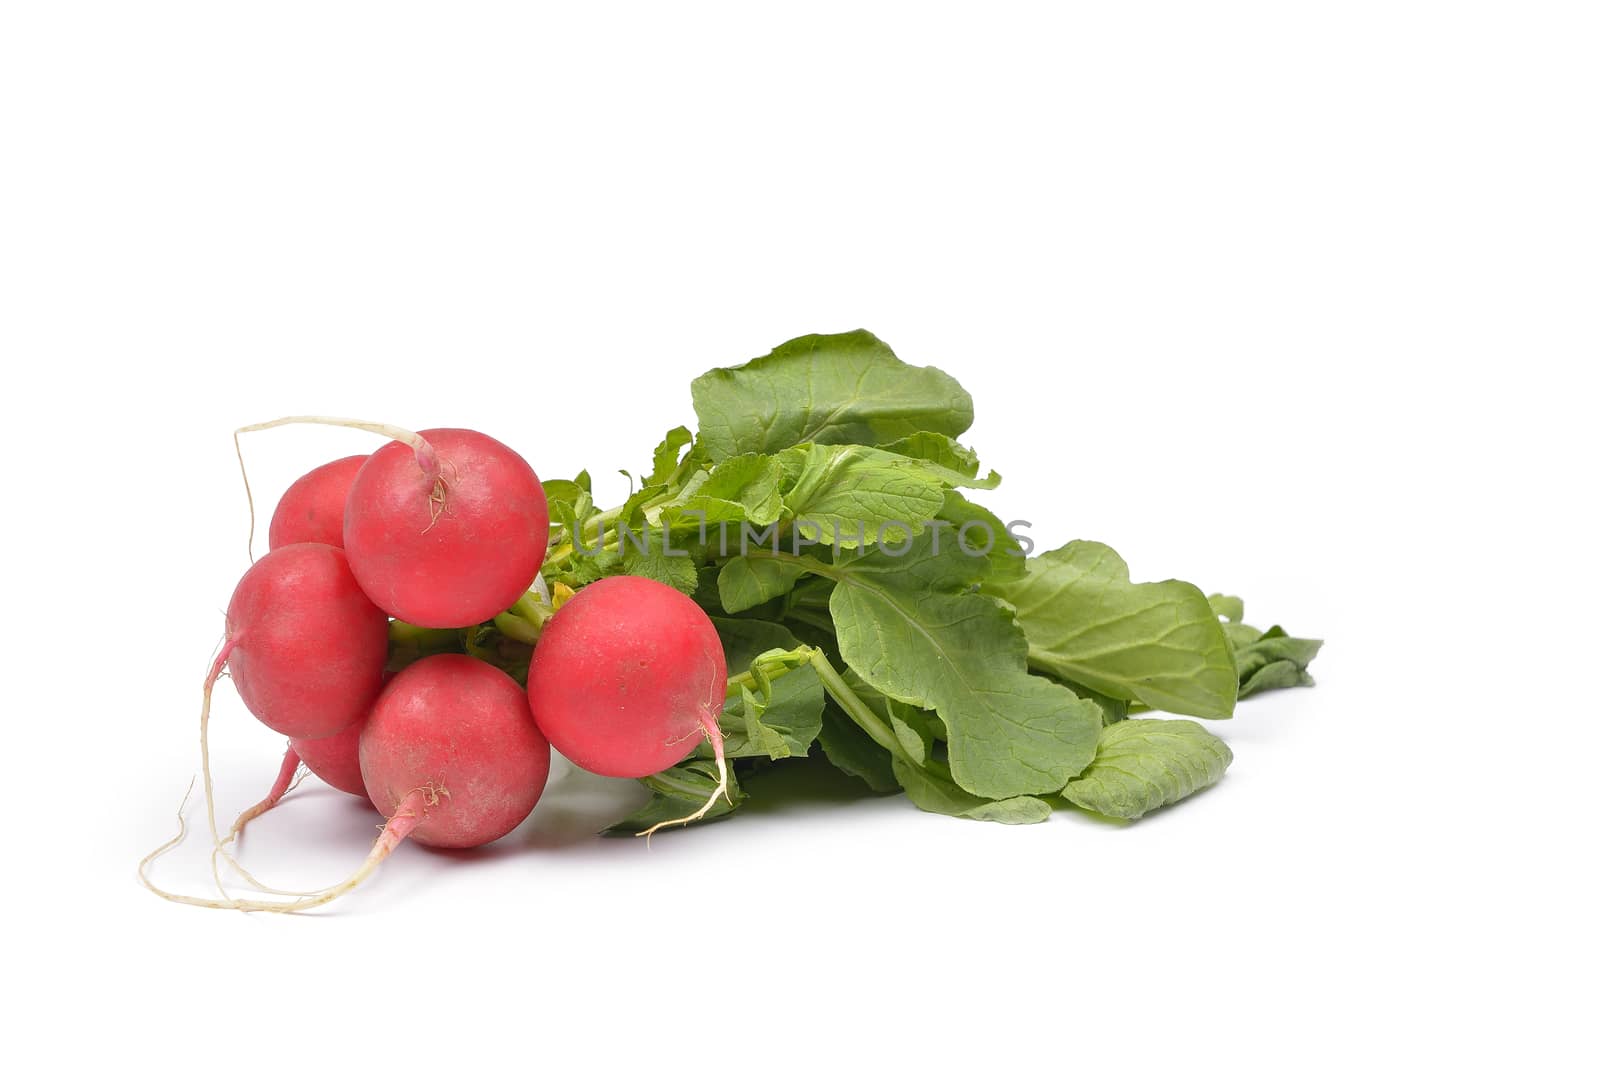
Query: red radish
{"x": 336, "y": 760}
{"x": 455, "y": 732}
{"x": 446, "y": 535}
{"x": 305, "y": 647}
{"x": 451, "y": 542}
{"x": 627, "y": 678}
{"x": 450, "y": 756}
{"x": 312, "y": 509}
{"x": 306, "y": 651}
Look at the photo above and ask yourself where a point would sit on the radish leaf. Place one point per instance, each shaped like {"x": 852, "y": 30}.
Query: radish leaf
{"x": 1144, "y": 764}
{"x": 912, "y": 627}
{"x": 1157, "y": 642}
{"x": 845, "y": 388}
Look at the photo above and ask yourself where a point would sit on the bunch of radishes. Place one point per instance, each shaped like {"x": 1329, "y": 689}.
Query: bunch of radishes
{"x": 446, "y": 529}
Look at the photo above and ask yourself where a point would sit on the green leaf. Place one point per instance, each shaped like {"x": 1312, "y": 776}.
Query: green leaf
{"x": 741, "y": 489}
{"x": 848, "y": 748}
{"x": 679, "y": 792}
{"x": 1276, "y": 661}
{"x": 665, "y": 461}
{"x": 1111, "y": 709}
{"x": 563, "y": 489}
{"x": 570, "y": 505}
{"x": 944, "y": 458}
{"x": 1265, "y": 660}
{"x": 746, "y": 581}
{"x": 1228, "y": 607}
{"x": 1279, "y": 674}
{"x": 917, "y": 729}
{"x": 579, "y": 568}
{"x": 1144, "y": 764}
{"x": 777, "y": 724}
{"x": 843, "y": 388}
{"x": 852, "y": 495}
{"x": 1006, "y": 558}
{"x": 913, "y": 628}
{"x": 1156, "y": 642}
{"x": 1240, "y": 635}
{"x": 679, "y": 572}
{"x": 931, "y": 789}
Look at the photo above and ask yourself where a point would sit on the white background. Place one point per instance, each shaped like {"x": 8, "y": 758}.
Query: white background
{"x": 1294, "y": 301}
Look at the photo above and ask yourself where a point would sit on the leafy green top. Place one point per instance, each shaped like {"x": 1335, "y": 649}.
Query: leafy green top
{"x": 814, "y": 515}
{"x": 845, "y": 388}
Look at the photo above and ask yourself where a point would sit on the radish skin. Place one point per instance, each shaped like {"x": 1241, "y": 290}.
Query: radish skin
{"x": 460, "y": 728}
{"x": 422, "y": 450}
{"x": 453, "y": 550}
{"x": 445, "y": 529}
{"x": 626, "y": 680}
{"x": 312, "y": 509}
{"x": 337, "y": 759}
{"x": 307, "y": 648}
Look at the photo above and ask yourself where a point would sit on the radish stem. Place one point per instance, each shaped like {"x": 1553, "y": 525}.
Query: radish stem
{"x": 427, "y": 459}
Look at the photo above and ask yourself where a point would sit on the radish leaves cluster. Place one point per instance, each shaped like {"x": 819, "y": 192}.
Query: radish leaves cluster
{"x": 874, "y": 615}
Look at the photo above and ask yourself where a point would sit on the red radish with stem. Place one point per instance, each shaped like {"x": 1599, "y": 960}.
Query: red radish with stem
{"x": 427, "y": 461}
{"x": 445, "y": 529}
{"x": 627, "y": 678}
{"x": 450, "y": 548}
{"x": 450, "y": 756}
{"x": 456, "y": 727}
{"x": 304, "y": 646}
{"x": 312, "y": 509}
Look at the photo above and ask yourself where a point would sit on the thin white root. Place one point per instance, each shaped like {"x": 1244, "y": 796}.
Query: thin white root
{"x": 249, "y": 499}
{"x": 710, "y": 712}
{"x": 405, "y": 819}
{"x": 426, "y": 458}
{"x": 711, "y": 801}
{"x": 217, "y": 843}
{"x": 171, "y": 843}
{"x": 221, "y": 848}
{"x": 205, "y": 732}
{"x": 396, "y": 433}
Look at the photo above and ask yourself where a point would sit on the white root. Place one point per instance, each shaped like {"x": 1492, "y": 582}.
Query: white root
{"x": 412, "y": 810}
{"x": 426, "y": 458}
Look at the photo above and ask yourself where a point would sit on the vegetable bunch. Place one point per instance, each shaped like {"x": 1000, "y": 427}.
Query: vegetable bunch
{"x": 807, "y": 575}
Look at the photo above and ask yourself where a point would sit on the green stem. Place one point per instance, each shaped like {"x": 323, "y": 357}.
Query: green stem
{"x": 562, "y": 551}
{"x": 855, "y": 707}
{"x": 775, "y": 664}
{"x": 421, "y": 638}
{"x": 597, "y": 521}
{"x": 531, "y": 607}
{"x": 517, "y": 628}
{"x": 767, "y": 668}
{"x": 805, "y": 563}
